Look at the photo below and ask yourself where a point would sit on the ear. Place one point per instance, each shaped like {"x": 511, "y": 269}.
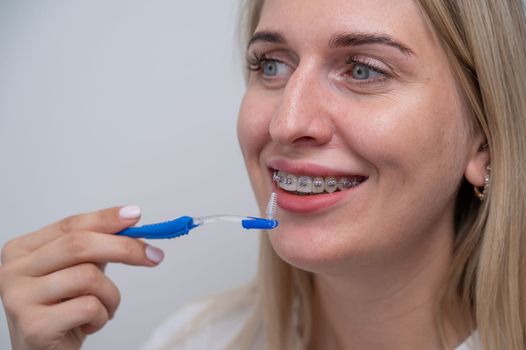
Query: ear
{"x": 477, "y": 163}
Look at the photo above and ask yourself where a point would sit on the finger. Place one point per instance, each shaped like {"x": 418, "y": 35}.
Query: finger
{"x": 75, "y": 281}
{"x": 46, "y": 326}
{"x": 80, "y": 247}
{"x": 85, "y": 311}
{"x": 109, "y": 220}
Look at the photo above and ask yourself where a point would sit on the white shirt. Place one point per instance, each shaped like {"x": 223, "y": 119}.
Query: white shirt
{"x": 221, "y": 331}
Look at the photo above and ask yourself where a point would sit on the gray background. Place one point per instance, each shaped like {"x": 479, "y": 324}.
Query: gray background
{"x": 105, "y": 103}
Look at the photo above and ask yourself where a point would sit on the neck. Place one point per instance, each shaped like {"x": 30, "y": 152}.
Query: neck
{"x": 387, "y": 306}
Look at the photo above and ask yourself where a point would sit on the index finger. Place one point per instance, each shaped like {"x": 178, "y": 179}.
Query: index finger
{"x": 87, "y": 247}
{"x": 110, "y": 220}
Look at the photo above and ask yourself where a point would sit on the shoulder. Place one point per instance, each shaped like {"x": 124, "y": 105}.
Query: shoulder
{"x": 212, "y": 323}
{"x": 174, "y": 327}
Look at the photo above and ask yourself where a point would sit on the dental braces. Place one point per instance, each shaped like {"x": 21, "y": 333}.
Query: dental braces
{"x": 329, "y": 184}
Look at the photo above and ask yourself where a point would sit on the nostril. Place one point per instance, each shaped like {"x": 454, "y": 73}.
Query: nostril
{"x": 305, "y": 141}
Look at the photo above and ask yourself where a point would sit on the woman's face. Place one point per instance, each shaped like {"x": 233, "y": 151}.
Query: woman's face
{"x": 354, "y": 103}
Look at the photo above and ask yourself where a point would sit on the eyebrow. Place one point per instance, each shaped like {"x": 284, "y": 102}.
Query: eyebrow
{"x": 268, "y": 37}
{"x": 338, "y": 40}
{"x": 356, "y": 39}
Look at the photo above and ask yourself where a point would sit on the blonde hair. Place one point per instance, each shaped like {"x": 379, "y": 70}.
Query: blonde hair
{"x": 485, "y": 41}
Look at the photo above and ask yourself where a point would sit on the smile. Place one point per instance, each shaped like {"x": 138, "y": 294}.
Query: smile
{"x": 309, "y": 185}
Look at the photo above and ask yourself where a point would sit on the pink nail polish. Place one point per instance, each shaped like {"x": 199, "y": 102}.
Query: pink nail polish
{"x": 130, "y": 212}
{"x": 154, "y": 254}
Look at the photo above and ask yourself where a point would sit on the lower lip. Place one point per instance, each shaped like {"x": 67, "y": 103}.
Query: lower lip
{"x": 310, "y": 204}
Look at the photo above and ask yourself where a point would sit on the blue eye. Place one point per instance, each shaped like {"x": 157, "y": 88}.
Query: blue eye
{"x": 362, "y": 71}
{"x": 270, "y": 68}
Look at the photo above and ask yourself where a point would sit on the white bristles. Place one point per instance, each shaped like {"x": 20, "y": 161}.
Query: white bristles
{"x": 272, "y": 206}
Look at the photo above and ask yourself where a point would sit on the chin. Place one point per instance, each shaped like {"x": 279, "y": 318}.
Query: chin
{"x": 313, "y": 249}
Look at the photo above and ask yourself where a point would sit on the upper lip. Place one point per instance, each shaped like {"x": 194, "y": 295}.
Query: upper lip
{"x": 308, "y": 168}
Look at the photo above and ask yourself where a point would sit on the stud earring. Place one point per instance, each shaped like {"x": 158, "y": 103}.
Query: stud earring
{"x": 481, "y": 195}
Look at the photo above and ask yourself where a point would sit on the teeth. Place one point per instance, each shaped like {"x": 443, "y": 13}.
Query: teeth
{"x": 345, "y": 183}
{"x": 318, "y": 185}
{"x": 289, "y": 183}
{"x": 331, "y": 184}
{"x": 305, "y": 184}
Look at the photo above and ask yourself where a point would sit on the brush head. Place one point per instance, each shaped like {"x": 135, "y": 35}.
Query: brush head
{"x": 272, "y": 206}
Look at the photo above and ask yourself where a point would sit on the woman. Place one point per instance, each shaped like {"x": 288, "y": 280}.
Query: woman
{"x": 393, "y": 133}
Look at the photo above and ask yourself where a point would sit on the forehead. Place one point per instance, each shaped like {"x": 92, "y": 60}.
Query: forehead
{"x": 310, "y": 21}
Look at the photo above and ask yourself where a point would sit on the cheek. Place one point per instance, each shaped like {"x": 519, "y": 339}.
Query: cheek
{"x": 253, "y": 135}
{"x": 416, "y": 148}
{"x": 407, "y": 133}
{"x": 252, "y": 125}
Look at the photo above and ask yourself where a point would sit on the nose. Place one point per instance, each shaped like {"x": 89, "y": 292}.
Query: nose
{"x": 303, "y": 116}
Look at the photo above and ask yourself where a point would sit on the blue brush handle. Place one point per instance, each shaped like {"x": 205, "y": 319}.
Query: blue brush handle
{"x": 169, "y": 229}
{"x": 259, "y": 223}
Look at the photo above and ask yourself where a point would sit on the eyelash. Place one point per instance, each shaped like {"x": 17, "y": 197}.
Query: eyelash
{"x": 255, "y": 62}
{"x": 371, "y": 65}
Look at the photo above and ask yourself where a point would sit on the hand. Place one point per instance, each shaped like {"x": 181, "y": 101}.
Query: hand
{"x": 52, "y": 281}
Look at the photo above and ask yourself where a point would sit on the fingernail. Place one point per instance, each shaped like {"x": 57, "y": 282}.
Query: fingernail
{"x": 130, "y": 212}
{"x": 154, "y": 254}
